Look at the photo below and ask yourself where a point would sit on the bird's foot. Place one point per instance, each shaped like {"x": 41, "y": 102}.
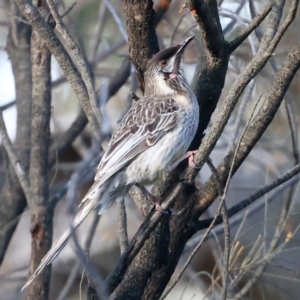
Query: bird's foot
{"x": 156, "y": 200}
{"x": 169, "y": 211}
{"x": 190, "y": 155}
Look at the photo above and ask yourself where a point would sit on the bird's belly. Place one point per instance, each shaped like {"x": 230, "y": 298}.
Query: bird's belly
{"x": 150, "y": 165}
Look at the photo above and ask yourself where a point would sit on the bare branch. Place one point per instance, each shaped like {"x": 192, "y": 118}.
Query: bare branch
{"x": 87, "y": 245}
{"x": 248, "y": 30}
{"x": 137, "y": 242}
{"x": 222, "y": 193}
{"x": 13, "y": 201}
{"x": 215, "y": 62}
{"x": 64, "y": 60}
{"x": 252, "y": 69}
{"x": 100, "y": 26}
{"x": 117, "y": 19}
{"x": 8, "y": 105}
{"x": 231, "y": 24}
{"x": 142, "y": 38}
{"x": 81, "y": 63}
{"x": 122, "y": 225}
{"x": 194, "y": 251}
{"x": 252, "y": 198}
{"x": 41, "y": 214}
{"x": 66, "y": 12}
{"x": 22, "y": 176}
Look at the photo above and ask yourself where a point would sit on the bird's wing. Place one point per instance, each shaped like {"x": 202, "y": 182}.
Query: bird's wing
{"x": 145, "y": 123}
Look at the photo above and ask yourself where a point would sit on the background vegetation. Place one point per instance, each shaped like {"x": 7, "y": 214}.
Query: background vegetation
{"x": 64, "y": 65}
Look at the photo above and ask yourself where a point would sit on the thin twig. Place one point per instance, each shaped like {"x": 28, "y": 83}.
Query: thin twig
{"x": 68, "y": 9}
{"x": 224, "y": 290}
{"x": 7, "y": 105}
{"x": 89, "y": 269}
{"x": 117, "y": 19}
{"x": 100, "y": 26}
{"x": 266, "y": 49}
{"x": 122, "y": 225}
{"x": 237, "y": 11}
{"x": 224, "y": 213}
{"x": 254, "y": 23}
{"x": 168, "y": 289}
{"x": 14, "y": 16}
{"x": 74, "y": 272}
{"x": 22, "y": 176}
{"x": 239, "y": 117}
{"x": 58, "y": 51}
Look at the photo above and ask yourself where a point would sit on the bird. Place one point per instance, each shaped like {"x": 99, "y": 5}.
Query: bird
{"x": 152, "y": 139}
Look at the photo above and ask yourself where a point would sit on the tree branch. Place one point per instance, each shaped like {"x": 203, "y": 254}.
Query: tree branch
{"x": 41, "y": 214}
{"x": 142, "y": 40}
{"x": 12, "y": 198}
{"x": 252, "y": 26}
{"x": 252, "y": 134}
{"x": 58, "y": 51}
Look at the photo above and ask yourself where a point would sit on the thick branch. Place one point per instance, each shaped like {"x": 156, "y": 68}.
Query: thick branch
{"x": 12, "y": 198}
{"x": 142, "y": 40}
{"x": 252, "y": 69}
{"x": 215, "y": 61}
{"x": 41, "y": 215}
{"x": 179, "y": 231}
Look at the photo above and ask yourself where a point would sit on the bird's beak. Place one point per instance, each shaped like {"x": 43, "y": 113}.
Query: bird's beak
{"x": 184, "y": 44}
{"x": 178, "y": 54}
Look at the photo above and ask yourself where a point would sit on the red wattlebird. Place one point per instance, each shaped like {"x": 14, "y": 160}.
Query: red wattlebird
{"x": 152, "y": 138}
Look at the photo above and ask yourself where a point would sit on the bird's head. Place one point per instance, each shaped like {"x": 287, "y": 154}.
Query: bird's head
{"x": 164, "y": 74}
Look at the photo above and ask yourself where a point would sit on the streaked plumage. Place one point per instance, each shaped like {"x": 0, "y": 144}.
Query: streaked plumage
{"x": 155, "y": 132}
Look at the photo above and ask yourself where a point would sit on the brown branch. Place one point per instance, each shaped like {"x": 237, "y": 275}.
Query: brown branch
{"x": 142, "y": 40}
{"x": 137, "y": 242}
{"x": 41, "y": 214}
{"x": 122, "y": 225}
{"x": 61, "y": 144}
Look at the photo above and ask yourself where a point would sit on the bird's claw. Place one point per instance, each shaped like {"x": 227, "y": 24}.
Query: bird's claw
{"x": 170, "y": 211}
{"x": 190, "y": 155}
{"x": 191, "y": 161}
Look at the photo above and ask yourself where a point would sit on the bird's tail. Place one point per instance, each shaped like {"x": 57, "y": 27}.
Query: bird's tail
{"x": 61, "y": 242}
{"x": 107, "y": 192}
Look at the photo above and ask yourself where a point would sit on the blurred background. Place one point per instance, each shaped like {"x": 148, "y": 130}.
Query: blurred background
{"x": 261, "y": 266}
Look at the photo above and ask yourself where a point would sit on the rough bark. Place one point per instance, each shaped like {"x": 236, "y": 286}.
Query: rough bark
{"x": 41, "y": 214}
{"x": 142, "y": 39}
{"x": 181, "y": 230}
{"x": 12, "y": 199}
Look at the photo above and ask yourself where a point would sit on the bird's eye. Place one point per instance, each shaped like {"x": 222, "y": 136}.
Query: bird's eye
{"x": 163, "y": 63}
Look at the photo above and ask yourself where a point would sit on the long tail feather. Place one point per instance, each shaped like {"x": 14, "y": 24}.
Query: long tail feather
{"x": 61, "y": 242}
{"x": 108, "y": 191}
